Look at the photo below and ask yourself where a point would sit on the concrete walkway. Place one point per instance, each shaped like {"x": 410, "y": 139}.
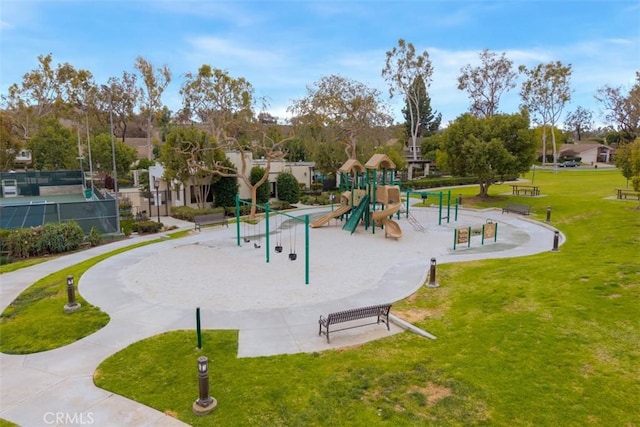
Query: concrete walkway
{"x": 156, "y": 288}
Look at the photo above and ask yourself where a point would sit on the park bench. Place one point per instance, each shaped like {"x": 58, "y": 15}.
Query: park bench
{"x": 517, "y": 208}
{"x": 380, "y": 312}
{"x": 624, "y": 193}
{"x": 209, "y": 219}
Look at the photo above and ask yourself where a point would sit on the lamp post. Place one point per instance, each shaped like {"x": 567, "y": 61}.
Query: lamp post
{"x": 432, "y": 275}
{"x": 113, "y": 156}
{"x": 72, "y": 305}
{"x": 156, "y": 185}
{"x": 205, "y": 403}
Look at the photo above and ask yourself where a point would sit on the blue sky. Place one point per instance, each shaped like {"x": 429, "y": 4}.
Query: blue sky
{"x": 282, "y": 47}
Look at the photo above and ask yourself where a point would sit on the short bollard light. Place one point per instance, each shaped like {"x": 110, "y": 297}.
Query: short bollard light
{"x": 548, "y": 214}
{"x": 205, "y": 403}
{"x": 72, "y": 305}
{"x": 432, "y": 275}
{"x": 556, "y": 238}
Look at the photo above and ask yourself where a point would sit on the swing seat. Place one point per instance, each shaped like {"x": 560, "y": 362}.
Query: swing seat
{"x": 278, "y": 249}
{"x": 246, "y": 240}
{"x": 257, "y": 246}
{"x": 293, "y": 256}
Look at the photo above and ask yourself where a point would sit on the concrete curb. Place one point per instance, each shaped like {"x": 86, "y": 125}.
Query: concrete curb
{"x": 409, "y": 327}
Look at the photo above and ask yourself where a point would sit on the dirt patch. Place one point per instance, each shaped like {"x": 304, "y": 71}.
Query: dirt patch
{"x": 414, "y": 314}
{"x": 432, "y": 392}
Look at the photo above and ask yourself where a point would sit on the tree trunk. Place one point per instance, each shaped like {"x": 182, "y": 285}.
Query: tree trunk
{"x": 254, "y": 199}
{"x": 484, "y": 189}
{"x": 544, "y": 144}
{"x": 555, "y": 151}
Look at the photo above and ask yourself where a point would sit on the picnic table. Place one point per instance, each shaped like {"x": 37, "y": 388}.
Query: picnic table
{"x": 525, "y": 190}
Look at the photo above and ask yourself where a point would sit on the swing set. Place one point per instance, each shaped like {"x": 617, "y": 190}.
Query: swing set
{"x": 293, "y": 233}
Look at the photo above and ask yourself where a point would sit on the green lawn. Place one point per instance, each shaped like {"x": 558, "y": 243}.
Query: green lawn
{"x": 35, "y": 321}
{"x": 551, "y": 339}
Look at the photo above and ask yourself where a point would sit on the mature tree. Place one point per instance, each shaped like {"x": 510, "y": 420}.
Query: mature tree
{"x": 348, "y": 107}
{"x": 430, "y": 146}
{"x": 540, "y": 133}
{"x": 53, "y": 146}
{"x": 119, "y": 98}
{"x": 622, "y": 110}
{"x": 9, "y": 143}
{"x": 579, "y": 122}
{"x": 490, "y": 148}
{"x": 544, "y": 94}
{"x": 628, "y": 161}
{"x": 486, "y": 83}
{"x": 225, "y": 107}
{"x": 102, "y": 155}
{"x": 185, "y": 146}
{"x": 43, "y": 92}
{"x": 221, "y": 103}
{"x": 155, "y": 82}
{"x": 403, "y": 70}
{"x": 428, "y": 121}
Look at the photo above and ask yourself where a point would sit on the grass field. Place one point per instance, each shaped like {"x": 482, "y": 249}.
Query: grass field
{"x": 551, "y": 339}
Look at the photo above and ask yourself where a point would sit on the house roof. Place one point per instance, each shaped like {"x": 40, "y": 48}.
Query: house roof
{"x": 581, "y": 147}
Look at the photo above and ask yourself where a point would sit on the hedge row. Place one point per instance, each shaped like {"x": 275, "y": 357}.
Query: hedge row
{"x": 51, "y": 238}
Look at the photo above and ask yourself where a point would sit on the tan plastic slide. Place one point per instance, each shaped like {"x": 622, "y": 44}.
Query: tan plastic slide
{"x": 343, "y": 209}
{"x": 391, "y": 228}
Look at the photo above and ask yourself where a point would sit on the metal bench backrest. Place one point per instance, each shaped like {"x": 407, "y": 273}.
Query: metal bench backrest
{"x": 358, "y": 313}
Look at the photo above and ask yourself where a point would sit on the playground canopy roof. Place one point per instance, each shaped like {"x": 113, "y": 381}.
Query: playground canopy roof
{"x": 351, "y": 165}
{"x": 380, "y": 161}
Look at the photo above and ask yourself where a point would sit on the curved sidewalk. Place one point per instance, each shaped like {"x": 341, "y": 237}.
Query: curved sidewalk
{"x": 156, "y": 288}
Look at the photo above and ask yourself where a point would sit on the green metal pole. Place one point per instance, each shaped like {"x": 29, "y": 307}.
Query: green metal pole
{"x": 482, "y": 240}
{"x": 456, "y": 211}
{"x": 306, "y": 249}
{"x": 455, "y": 238}
{"x": 469, "y": 237}
{"x": 266, "y": 210}
{"x": 495, "y": 236}
{"x": 238, "y": 219}
{"x": 198, "y": 331}
{"x": 440, "y": 210}
{"x": 408, "y": 193}
{"x": 448, "y": 206}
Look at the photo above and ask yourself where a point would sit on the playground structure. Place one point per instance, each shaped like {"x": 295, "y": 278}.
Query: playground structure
{"x": 368, "y": 195}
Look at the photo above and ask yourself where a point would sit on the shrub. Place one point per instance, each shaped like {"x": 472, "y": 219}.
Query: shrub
{"x": 59, "y": 237}
{"x": 263, "y": 192}
{"x": 224, "y": 191}
{"x": 126, "y": 226}
{"x": 23, "y": 242}
{"x": 288, "y": 189}
{"x": 147, "y": 227}
{"x": 95, "y": 237}
{"x": 186, "y": 213}
{"x": 4, "y": 240}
